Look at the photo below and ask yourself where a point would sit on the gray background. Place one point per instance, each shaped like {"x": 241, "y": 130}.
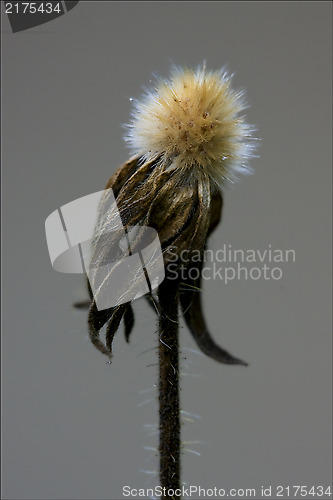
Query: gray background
{"x": 73, "y": 427}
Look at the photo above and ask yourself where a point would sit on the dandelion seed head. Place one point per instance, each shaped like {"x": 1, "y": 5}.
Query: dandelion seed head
{"x": 194, "y": 123}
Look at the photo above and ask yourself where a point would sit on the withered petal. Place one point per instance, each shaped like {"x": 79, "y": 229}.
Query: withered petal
{"x": 128, "y": 321}
{"x": 113, "y": 324}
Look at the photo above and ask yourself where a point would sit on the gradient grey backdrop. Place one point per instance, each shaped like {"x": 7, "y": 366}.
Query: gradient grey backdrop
{"x": 73, "y": 427}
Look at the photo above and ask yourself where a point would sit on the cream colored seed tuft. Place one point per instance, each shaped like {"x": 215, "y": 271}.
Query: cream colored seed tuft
{"x": 194, "y": 124}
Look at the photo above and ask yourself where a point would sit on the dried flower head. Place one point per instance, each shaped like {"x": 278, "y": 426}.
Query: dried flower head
{"x": 193, "y": 123}
{"x": 188, "y": 136}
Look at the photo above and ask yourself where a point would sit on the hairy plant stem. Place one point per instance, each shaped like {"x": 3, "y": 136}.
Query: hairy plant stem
{"x": 169, "y": 410}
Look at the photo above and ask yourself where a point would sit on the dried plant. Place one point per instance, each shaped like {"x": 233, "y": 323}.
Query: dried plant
{"x": 188, "y": 136}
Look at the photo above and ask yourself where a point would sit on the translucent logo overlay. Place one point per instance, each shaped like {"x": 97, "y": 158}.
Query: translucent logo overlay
{"x": 87, "y": 236}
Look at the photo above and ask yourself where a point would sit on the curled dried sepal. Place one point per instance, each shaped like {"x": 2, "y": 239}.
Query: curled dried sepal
{"x": 190, "y": 301}
{"x": 96, "y": 321}
{"x": 128, "y": 322}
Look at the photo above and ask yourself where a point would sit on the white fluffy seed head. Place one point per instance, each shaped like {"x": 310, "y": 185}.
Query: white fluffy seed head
{"x": 193, "y": 123}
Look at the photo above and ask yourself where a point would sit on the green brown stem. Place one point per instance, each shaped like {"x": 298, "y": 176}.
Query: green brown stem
{"x": 169, "y": 387}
